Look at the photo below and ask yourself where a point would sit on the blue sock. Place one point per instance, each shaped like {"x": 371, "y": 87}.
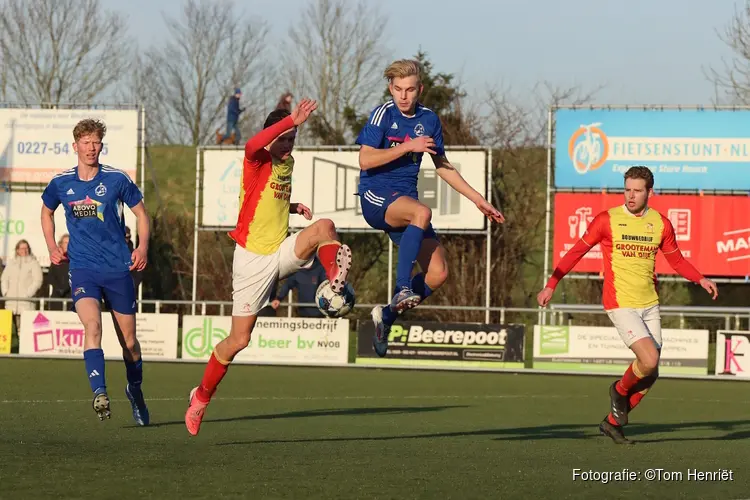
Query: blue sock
{"x": 411, "y": 242}
{"x": 389, "y": 316}
{"x": 94, "y": 360}
{"x": 134, "y": 373}
{"x": 419, "y": 286}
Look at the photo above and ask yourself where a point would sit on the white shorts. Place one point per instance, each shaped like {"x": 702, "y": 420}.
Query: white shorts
{"x": 254, "y": 275}
{"x": 636, "y": 324}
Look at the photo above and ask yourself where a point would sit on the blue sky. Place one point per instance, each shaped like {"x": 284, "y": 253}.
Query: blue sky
{"x": 643, "y": 51}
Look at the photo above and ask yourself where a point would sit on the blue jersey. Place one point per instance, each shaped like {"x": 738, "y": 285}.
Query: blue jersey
{"x": 94, "y": 216}
{"x": 386, "y": 128}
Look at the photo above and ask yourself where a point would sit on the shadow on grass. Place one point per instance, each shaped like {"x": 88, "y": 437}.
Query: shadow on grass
{"x": 733, "y": 430}
{"x": 338, "y": 412}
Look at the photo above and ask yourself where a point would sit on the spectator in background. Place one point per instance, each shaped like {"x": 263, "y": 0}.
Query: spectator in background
{"x": 129, "y": 238}
{"x": 285, "y": 101}
{"x": 306, "y": 281}
{"x": 137, "y": 275}
{"x": 233, "y": 118}
{"x": 22, "y": 277}
{"x": 58, "y": 276}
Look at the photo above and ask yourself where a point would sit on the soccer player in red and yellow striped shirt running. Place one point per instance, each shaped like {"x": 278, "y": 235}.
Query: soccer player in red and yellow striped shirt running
{"x": 263, "y": 252}
{"x": 630, "y": 236}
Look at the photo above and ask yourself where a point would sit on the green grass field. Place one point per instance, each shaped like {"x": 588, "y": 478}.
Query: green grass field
{"x": 275, "y": 432}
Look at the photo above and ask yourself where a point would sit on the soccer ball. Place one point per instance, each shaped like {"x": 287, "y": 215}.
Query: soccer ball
{"x": 334, "y": 305}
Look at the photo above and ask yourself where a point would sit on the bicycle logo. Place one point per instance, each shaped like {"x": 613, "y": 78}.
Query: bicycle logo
{"x": 588, "y": 148}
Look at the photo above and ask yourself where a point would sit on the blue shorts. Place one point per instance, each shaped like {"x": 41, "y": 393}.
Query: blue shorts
{"x": 116, "y": 288}
{"x": 375, "y": 202}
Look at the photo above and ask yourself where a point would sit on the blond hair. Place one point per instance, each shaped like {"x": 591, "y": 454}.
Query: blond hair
{"x": 403, "y": 68}
{"x": 88, "y": 127}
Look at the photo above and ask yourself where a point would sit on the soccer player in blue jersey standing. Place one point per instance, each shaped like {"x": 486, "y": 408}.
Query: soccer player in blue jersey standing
{"x": 92, "y": 196}
{"x": 392, "y": 144}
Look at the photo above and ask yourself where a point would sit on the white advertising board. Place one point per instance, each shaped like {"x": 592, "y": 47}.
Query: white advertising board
{"x": 274, "y": 340}
{"x": 61, "y": 334}
{"x": 36, "y": 144}
{"x": 733, "y": 354}
{"x": 594, "y": 348}
{"x": 326, "y": 181}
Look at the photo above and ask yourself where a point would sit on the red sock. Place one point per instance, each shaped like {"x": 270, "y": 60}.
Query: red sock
{"x": 636, "y": 398}
{"x": 215, "y": 371}
{"x": 612, "y": 420}
{"x": 641, "y": 391}
{"x": 628, "y": 380}
{"x": 327, "y": 255}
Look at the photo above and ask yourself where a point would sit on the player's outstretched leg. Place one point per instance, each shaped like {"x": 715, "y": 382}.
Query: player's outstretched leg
{"x": 627, "y": 392}
{"x": 93, "y": 355}
{"x": 432, "y": 261}
{"x": 415, "y": 217}
{"x": 335, "y": 257}
{"x": 131, "y": 355}
{"x": 620, "y": 392}
{"x": 216, "y": 369}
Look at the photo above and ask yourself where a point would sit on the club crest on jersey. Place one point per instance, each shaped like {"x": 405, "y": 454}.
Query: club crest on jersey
{"x": 87, "y": 208}
{"x": 650, "y": 228}
{"x": 419, "y": 130}
{"x": 100, "y": 190}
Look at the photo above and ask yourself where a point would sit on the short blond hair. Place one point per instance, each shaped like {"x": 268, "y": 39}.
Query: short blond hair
{"x": 88, "y": 127}
{"x": 403, "y": 68}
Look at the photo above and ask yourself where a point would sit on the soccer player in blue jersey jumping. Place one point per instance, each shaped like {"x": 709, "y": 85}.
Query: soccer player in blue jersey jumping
{"x": 392, "y": 144}
{"x": 92, "y": 196}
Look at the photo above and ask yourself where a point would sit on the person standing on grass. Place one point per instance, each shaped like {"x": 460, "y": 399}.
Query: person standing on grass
{"x": 630, "y": 235}
{"x": 92, "y": 196}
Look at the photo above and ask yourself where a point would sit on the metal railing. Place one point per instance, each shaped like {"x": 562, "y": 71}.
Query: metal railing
{"x": 734, "y": 318}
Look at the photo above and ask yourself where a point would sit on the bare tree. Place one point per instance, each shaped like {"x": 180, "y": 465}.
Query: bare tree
{"x": 337, "y": 58}
{"x": 185, "y": 83}
{"x": 60, "y": 51}
{"x": 732, "y": 81}
{"x": 3, "y": 79}
{"x": 518, "y": 133}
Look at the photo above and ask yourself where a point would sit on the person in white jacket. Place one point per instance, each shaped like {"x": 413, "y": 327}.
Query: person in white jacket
{"x": 22, "y": 277}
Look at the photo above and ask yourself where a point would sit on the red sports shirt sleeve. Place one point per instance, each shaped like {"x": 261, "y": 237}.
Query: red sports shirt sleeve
{"x": 596, "y": 232}
{"x": 266, "y": 137}
{"x": 674, "y": 256}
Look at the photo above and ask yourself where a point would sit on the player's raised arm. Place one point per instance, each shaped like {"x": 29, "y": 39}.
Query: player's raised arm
{"x": 679, "y": 263}
{"x": 266, "y": 136}
{"x": 594, "y": 234}
{"x": 449, "y": 174}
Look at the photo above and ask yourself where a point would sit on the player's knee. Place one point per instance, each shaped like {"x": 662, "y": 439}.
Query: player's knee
{"x": 129, "y": 344}
{"x": 438, "y": 277}
{"x": 92, "y": 328}
{"x": 240, "y": 341}
{"x": 422, "y": 216}
{"x": 649, "y": 363}
{"x": 325, "y": 228}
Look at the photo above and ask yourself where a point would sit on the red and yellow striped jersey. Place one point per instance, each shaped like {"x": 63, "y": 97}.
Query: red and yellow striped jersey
{"x": 629, "y": 244}
{"x": 263, "y": 220}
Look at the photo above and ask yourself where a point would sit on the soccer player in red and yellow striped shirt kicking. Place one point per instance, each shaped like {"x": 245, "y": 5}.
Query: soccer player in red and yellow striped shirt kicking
{"x": 264, "y": 254}
{"x": 630, "y": 236}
